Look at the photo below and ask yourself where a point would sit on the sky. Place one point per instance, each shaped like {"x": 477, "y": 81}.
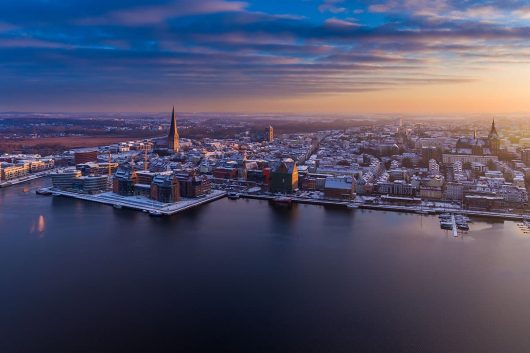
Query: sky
{"x": 293, "y": 56}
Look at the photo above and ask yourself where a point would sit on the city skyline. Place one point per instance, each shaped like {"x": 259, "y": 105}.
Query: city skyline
{"x": 326, "y": 56}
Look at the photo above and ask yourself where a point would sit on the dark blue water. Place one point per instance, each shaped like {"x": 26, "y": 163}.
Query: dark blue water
{"x": 242, "y": 276}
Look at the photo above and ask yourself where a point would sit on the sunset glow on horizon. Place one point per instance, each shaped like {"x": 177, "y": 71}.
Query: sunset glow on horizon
{"x": 293, "y": 56}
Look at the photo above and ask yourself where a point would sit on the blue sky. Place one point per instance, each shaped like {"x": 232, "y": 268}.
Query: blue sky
{"x": 289, "y": 55}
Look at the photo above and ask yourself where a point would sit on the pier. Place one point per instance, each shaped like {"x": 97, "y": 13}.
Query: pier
{"x": 144, "y": 204}
{"x": 455, "y": 229}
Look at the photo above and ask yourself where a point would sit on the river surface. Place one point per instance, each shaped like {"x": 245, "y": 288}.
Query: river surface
{"x": 242, "y": 276}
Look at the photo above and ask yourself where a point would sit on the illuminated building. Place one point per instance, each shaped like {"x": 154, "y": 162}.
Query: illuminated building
{"x": 65, "y": 180}
{"x": 284, "y": 178}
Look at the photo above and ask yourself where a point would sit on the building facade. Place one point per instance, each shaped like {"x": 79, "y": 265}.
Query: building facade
{"x": 284, "y": 178}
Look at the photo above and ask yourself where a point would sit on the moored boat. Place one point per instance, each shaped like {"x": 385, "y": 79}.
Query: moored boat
{"x": 446, "y": 225}
{"x": 462, "y": 226}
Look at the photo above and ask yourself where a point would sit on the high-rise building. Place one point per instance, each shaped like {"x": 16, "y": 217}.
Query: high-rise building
{"x": 173, "y": 137}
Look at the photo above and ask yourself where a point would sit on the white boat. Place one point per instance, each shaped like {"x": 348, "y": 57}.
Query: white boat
{"x": 446, "y": 225}
{"x": 352, "y": 205}
{"x": 155, "y": 213}
{"x": 117, "y": 205}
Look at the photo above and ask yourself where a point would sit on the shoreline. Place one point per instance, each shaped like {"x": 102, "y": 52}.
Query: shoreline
{"x": 29, "y": 177}
{"x": 143, "y": 204}
{"x": 396, "y": 208}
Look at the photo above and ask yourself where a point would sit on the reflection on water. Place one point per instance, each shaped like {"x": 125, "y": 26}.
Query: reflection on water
{"x": 38, "y": 227}
{"x": 478, "y": 226}
{"x": 376, "y": 281}
{"x": 288, "y": 213}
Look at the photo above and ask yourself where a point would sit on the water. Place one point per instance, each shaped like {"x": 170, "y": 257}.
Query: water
{"x": 243, "y": 276}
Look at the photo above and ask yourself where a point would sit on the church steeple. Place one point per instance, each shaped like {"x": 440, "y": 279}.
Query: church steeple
{"x": 173, "y": 137}
{"x": 493, "y": 131}
{"x": 493, "y": 139}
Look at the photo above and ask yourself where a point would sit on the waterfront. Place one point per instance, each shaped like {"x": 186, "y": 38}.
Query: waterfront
{"x": 244, "y": 276}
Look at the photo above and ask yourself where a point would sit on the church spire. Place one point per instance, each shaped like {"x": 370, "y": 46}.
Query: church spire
{"x": 493, "y": 131}
{"x": 173, "y": 137}
{"x": 493, "y": 139}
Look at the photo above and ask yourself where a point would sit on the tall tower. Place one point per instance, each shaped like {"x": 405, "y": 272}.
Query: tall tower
{"x": 493, "y": 139}
{"x": 173, "y": 137}
{"x": 269, "y": 133}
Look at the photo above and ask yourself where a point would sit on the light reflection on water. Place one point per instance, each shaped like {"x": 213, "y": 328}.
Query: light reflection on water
{"x": 375, "y": 281}
{"x": 38, "y": 227}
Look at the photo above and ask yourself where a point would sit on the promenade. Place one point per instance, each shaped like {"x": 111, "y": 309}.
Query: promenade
{"x": 144, "y": 204}
{"x": 396, "y": 208}
{"x": 25, "y": 178}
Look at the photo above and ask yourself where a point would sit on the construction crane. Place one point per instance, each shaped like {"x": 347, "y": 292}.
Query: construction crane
{"x": 145, "y": 157}
{"x": 110, "y": 169}
{"x": 110, "y": 161}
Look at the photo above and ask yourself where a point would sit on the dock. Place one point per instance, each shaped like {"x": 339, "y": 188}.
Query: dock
{"x": 396, "y": 208}
{"x": 143, "y": 204}
{"x": 455, "y": 229}
{"x": 147, "y": 205}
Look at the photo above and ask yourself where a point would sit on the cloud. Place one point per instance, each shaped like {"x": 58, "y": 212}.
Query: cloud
{"x": 336, "y": 22}
{"x": 6, "y": 27}
{"x": 148, "y": 15}
{"x": 332, "y": 6}
{"x": 220, "y": 48}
